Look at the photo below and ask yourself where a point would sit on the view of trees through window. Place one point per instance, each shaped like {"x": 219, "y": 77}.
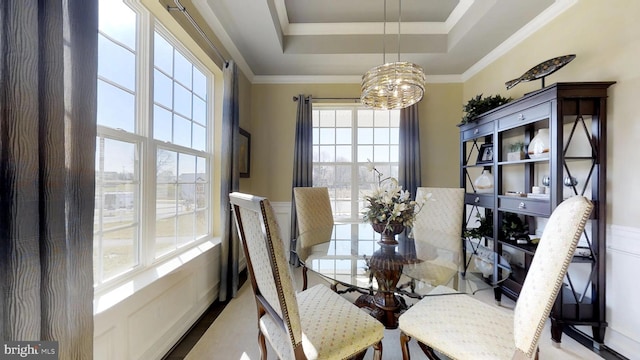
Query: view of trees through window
{"x": 153, "y": 156}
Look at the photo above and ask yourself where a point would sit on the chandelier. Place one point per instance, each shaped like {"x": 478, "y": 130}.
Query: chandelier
{"x": 393, "y": 85}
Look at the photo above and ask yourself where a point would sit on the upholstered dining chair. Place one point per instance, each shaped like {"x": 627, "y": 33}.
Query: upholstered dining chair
{"x": 462, "y": 327}
{"x": 315, "y": 223}
{"x": 314, "y": 324}
{"x": 438, "y": 225}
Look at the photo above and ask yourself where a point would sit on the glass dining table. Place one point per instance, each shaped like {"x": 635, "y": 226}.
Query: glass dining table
{"x": 387, "y": 276}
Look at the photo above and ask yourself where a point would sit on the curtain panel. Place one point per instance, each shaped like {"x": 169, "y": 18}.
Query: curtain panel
{"x": 302, "y": 162}
{"x": 48, "y": 72}
{"x": 230, "y": 182}
{"x": 409, "y": 156}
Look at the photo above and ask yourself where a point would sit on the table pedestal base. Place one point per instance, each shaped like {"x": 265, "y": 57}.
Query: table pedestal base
{"x": 385, "y": 309}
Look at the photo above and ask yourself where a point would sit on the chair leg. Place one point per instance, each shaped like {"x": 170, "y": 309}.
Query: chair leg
{"x": 304, "y": 277}
{"x": 377, "y": 351}
{"x": 404, "y": 345}
{"x": 263, "y": 346}
{"x": 428, "y": 350}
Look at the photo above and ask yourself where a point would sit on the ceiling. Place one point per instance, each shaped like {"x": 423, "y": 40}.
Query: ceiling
{"x": 339, "y": 40}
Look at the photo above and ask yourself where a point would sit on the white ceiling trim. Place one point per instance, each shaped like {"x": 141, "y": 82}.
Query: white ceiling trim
{"x": 558, "y": 7}
{"x": 370, "y": 28}
{"x": 366, "y": 28}
{"x": 342, "y": 79}
{"x": 457, "y": 13}
{"x": 218, "y": 29}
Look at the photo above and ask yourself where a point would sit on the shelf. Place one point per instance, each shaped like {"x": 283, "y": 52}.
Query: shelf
{"x": 565, "y": 109}
{"x": 524, "y": 161}
{"x": 527, "y": 248}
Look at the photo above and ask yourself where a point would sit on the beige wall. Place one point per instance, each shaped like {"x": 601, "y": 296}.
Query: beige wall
{"x": 604, "y": 36}
{"x": 273, "y": 130}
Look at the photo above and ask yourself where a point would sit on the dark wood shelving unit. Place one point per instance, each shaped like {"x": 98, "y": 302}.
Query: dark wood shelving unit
{"x": 575, "y": 115}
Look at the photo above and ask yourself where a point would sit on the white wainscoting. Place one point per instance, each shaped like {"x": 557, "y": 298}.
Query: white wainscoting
{"x": 146, "y": 324}
{"x": 623, "y": 291}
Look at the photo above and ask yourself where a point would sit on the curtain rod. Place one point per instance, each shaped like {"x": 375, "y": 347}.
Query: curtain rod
{"x": 295, "y": 98}
{"x": 182, "y": 9}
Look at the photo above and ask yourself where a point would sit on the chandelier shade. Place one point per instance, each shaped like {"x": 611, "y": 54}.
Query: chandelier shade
{"x": 395, "y": 85}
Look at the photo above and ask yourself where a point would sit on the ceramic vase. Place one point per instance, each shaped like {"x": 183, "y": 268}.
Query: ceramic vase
{"x": 484, "y": 182}
{"x": 539, "y": 145}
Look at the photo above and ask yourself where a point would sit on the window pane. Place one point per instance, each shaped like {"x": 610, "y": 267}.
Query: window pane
{"x": 116, "y": 63}
{"x": 162, "y": 89}
{"x": 343, "y": 136}
{"x": 381, "y": 135}
{"x": 365, "y": 136}
{"x": 327, "y": 136}
{"x": 327, "y": 154}
{"x": 161, "y": 124}
{"x": 343, "y": 118}
{"x": 199, "y": 137}
{"x": 116, "y": 107}
{"x": 343, "y": 153}
{"x": 181, "y": 131}
{"x": 116, "y": 220}
{"x": 182, "y": 101}
{"x": 365, "y": 152}
{"x": 199, "y": 111}
{"x": 166, "y": 163}
{"x": 187, "y": 169}
{"x": 327, "y": 118}
{"x": 182, "y": 70}
{"x": 118, "y": 21}
{"x": 118, "y": 252}
{"x": 199, "y": 83}
{"x": 162, "y": 54}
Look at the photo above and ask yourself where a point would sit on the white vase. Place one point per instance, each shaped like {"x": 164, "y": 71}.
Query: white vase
{"x": 539, "y": 145}
{"x": 484, "y": 182}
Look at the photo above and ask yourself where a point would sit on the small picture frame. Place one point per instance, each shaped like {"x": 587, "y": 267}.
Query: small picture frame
{"x": 244, "y": 153}
{"x": 485, "y": 155}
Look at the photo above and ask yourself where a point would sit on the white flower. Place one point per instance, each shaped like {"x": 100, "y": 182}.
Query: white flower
{"x": 387, "y": 203}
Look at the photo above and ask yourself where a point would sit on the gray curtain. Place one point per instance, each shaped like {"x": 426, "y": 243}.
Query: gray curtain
{"x": 409, "y": 157}
{"x": 48, "y": 71}
{"x": 409, "y": 163}
{"x": 230, "y": 182}
{"x": 302, "y": 162}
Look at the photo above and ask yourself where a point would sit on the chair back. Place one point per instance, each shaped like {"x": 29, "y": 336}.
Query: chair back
{"x": 315, "y": 218}
{"x": 441, "y": 214}
{"x": 548, "y": 268}
{"x": 271, "y": 277}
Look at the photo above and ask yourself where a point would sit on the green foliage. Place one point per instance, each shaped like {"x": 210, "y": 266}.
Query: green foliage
{"x": 484, "y": 229}
{"x": 516, "y": 146}
{"x": 478, "y": 105}
{"x": 513, "y": 227}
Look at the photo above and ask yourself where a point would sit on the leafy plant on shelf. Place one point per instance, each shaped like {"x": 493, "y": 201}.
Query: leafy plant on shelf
{"x": 484, "y": 229}
{"x": 513, "y": 228}
{"x": 478, "y": 105}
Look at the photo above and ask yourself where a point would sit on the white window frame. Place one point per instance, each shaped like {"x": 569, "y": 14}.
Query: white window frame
{"x": 147, "y": 149}
{"x": 356, "y": 203}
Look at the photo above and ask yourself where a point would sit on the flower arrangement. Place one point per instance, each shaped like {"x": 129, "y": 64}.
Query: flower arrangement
{"x": 388, "y": 204}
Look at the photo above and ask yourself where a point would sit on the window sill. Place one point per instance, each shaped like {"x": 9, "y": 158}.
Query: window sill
{"x": 105, "y": 299}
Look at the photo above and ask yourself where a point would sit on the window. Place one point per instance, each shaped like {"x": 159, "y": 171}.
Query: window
{"x": 345, "y": 139}
{"x": 153, "y": 153}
